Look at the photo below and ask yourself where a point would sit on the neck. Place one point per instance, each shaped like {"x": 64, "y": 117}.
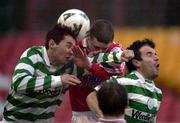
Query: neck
{"x": 145, "y": 76}
{"x": 50, "y": 56}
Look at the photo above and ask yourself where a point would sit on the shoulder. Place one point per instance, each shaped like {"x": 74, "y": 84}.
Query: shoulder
{"x": 127, "y": 79}
{"x": 35, "y": 50}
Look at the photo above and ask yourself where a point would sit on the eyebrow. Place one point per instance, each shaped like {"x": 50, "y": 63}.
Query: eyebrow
{"x": 70, "y": 43}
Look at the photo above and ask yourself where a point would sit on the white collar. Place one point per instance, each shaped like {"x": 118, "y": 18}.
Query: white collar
{"x": 46, "y": 58}
{"x": 141, "y": 77}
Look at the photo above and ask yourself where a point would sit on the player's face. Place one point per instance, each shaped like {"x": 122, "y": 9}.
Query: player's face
{"x": 62, "y": 52}
{"x": 149, "y": 66}
{"x": 95, "y": 45}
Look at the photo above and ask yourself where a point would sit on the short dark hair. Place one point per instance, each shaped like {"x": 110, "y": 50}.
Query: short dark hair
{"x": 102, "y": 30}
{"x": 57, "y": 33}
{"x": 112, "y": 98}
{"x": 135, "y": 46}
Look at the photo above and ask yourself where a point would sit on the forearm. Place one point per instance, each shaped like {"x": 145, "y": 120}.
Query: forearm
{"x": 111, "y": 58}
{"x": 92, "y": 103}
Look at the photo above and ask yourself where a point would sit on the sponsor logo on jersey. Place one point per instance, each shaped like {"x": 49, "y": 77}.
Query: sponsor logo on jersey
{"x": 150, "y": 103}
{"x": 52, "y": 92}
{"x": 142, "y": 116}
{"x": 90, "y": 80}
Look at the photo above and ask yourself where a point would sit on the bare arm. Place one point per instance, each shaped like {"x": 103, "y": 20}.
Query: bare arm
{"x": 93, "y": 104}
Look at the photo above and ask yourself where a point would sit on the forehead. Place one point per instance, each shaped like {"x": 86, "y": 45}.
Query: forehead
{"x": 68, "y": 39}
{"x": 145, "y": 49}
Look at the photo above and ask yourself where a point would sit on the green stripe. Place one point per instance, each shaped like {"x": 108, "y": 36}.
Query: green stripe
{"x": 143, "y": 91}
{"x": 95, "y": 58}
{"x": 34, "y": 51}
{"x": 80, "y": 71}
{"x": 106, "y": 65}
{"x": 129, "y": 76}
{"x": 133, "y": 120}
{"x": 59, "y": 71}
{"x": 142, "y": 107}
{"x": 26, "y": 60}
{"x": 17, "y": 82}
{"x": 47, "y": 82}
{"x": 42, "y": 67}
{"x": 19, "y": 71}
{"x": 28, "y": 116}
{"x": 31, "y": 85}
{"x": 105, "y": 57}
{"x": 22, "y": 105}
{"x": 115, "y": 58}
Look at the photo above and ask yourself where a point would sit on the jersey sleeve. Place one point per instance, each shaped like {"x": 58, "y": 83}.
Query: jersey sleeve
{"x": 105, "y": 65}
{"x": 109, "y": 63}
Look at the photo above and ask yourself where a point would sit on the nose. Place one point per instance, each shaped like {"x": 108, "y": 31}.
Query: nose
{"x": 69, "y": 51}
{"x": 156, "y": 58}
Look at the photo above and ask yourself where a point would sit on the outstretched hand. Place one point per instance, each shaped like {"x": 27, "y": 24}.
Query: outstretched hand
{"x": 81, "y": 58}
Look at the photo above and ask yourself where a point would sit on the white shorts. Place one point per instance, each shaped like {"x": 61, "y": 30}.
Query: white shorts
{"x": 83, "y": 117}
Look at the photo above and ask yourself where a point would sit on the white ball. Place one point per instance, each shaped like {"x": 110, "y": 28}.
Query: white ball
{"x": 76, "y": 20}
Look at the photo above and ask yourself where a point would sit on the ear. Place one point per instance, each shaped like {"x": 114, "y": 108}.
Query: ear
{"x": 52, "y": 43}
{"x": 136, "y": 63}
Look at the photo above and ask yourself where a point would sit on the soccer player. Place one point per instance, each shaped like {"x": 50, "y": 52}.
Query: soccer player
{"x": 99, "y": 39}
{"x": 144, "y": 97}
{"x": 112, "y": 100}
{"x": 40, "y": 79}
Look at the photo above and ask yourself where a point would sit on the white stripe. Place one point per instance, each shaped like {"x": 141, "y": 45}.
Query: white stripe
{"x": 38, "y": 72}
{"x": 27, "y": 99}
{"x": 25, "y": 53}
{"x": 116, "y": 50}
{"x": 25, "y": 66}
{"x": 143, "y": 99}
{"x": 138, "y": 83}
{"x": 18, "y": 75}
{"x": 38, "y": 111}
{"x": 23, "y": 84}
{"x": 39, "y": 83}
{"x": 100, "y": 58}
{"x": 35, "y": 58}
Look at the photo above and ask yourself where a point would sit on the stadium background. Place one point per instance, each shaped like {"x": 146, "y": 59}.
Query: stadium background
{"x": 24, "y": 23}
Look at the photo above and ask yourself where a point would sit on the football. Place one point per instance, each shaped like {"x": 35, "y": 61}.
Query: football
{"x": 76, "y": 20}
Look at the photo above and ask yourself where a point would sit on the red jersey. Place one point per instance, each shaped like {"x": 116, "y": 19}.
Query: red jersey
{"x": 97, "y": 74}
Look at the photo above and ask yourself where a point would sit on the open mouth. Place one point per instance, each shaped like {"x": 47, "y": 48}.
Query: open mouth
{"x": 157, "y": 66}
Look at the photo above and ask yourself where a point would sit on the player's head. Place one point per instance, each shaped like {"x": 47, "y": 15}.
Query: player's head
{"x": 146, "y": 60}
{"x": 101, "y": 34}
{"x": 59, "y": 43}
{"x": 112, "y": 99}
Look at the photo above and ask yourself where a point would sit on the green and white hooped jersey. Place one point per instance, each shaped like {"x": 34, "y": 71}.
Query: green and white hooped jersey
{"x": 36, "y": 89}
{"x": 144, "y": 98}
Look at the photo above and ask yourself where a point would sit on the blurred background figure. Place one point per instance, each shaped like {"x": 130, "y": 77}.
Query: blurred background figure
{"x": 112, "y": 100}
{"x": 23, "y": 24}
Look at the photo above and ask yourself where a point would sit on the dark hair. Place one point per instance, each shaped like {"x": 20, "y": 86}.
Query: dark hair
{"x": 102, "y": 30}
{"x": 57, "y": 33}
{"x": 112, "y": 98}
{"x": 137, "y": 55}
